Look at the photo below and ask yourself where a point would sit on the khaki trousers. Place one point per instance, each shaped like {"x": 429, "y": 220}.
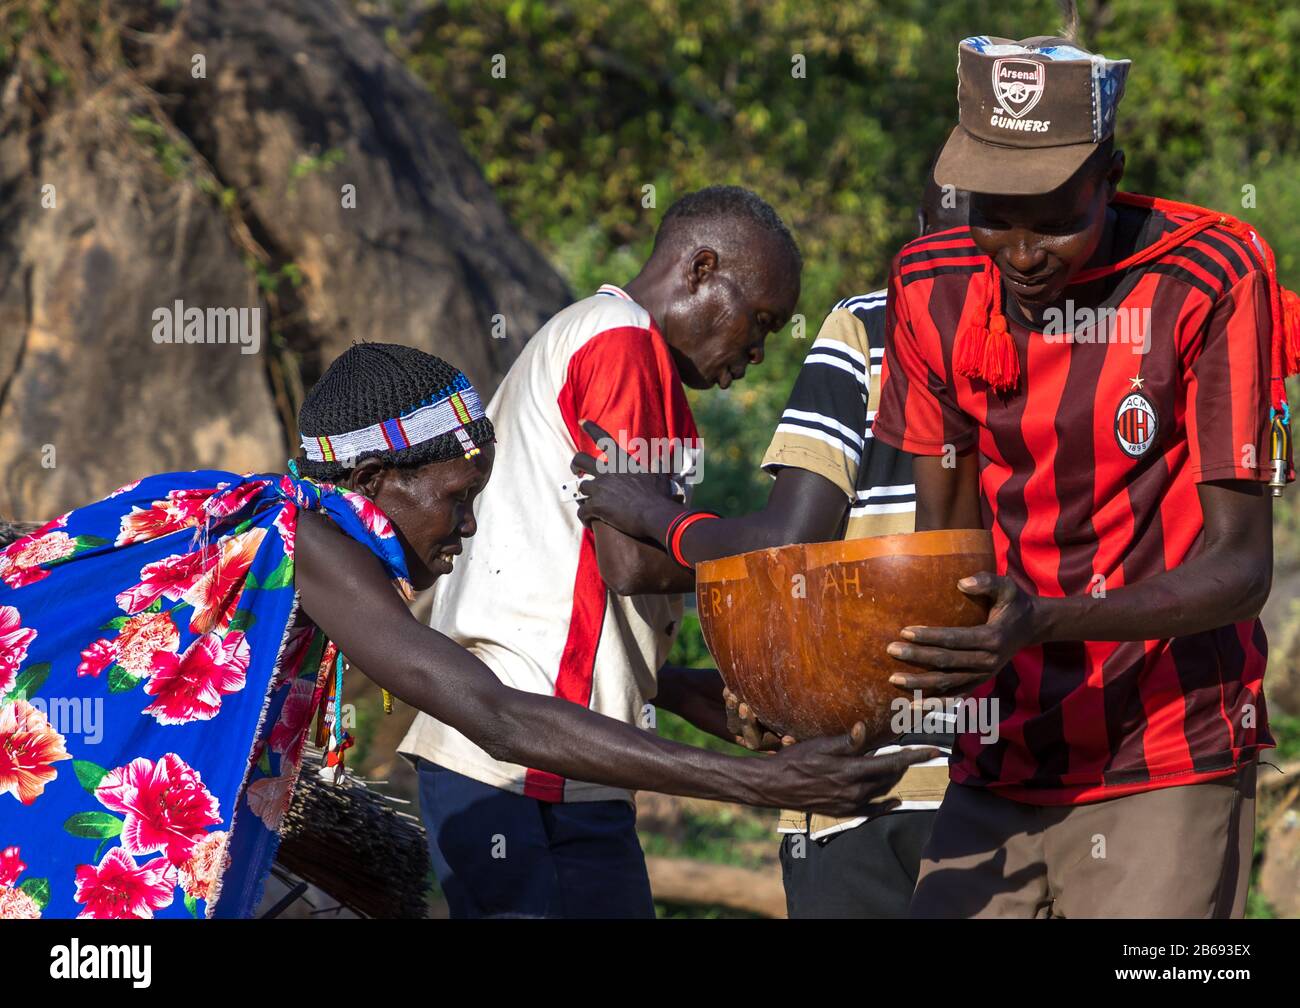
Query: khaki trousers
{"x": 1174, "y": 852}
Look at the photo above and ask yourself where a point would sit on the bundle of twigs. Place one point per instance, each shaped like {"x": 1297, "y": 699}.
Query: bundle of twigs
{"x": 354, "y": 843}
{"x": 13, "y": 531}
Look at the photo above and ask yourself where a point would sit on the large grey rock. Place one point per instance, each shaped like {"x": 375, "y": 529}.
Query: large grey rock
{"x": 299, "y": 100}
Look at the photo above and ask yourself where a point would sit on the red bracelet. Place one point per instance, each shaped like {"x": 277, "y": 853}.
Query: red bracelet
{"x": 672, "y": 525}
{"x": 677, "y": 528}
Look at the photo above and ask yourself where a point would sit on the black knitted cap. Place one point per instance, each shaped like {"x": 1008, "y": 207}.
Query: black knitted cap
{"x": 372, "y": 382}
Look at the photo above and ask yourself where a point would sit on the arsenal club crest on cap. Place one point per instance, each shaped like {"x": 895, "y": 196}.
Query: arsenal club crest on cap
{"x": 1030, "y": 113}
{"x": 1017, "y": 84}
{"x": 1136, "y": 425}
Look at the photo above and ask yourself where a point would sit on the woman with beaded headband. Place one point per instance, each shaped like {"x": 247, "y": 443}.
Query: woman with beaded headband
{"x": 198, "y": 621}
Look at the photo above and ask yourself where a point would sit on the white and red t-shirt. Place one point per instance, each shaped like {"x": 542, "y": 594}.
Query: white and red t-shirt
{"x": 527, "y": 597}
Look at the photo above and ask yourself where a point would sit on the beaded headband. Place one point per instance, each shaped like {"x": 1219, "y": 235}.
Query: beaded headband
{"x": 448, "y": 411}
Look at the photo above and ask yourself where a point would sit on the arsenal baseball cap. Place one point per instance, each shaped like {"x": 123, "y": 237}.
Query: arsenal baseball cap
{"x": 1031, "y": 112}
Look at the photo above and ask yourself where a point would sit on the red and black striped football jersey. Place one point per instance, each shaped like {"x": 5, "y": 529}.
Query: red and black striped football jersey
{"x": 1088, "y": 474}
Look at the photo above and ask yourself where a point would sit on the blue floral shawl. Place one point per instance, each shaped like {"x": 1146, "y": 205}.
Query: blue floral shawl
{"x": 156, "y": 692}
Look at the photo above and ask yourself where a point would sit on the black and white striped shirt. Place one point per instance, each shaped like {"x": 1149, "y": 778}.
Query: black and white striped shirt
{"x": 826, "y": 429}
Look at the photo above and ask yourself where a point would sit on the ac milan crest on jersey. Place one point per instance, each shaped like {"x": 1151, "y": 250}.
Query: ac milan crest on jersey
{"x": 1135, "y": 424}
{"x": 1017, "y": 85}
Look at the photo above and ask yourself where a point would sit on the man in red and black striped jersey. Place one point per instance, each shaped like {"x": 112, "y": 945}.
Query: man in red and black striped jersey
{"x": 1088, "y": 374}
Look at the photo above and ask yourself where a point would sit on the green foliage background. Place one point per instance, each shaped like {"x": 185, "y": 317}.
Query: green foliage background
{"x": 603, "y": 97}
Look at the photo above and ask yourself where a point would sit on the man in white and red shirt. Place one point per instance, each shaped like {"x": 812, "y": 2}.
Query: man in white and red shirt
{"x": 587, "y": 613}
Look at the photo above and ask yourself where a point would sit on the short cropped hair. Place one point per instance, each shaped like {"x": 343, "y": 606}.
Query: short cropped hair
{"x": 727, "y": 202}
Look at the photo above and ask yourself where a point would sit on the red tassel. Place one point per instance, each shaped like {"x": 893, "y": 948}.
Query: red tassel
{"x": 1291, "y": 329}
{"x": 968, "y": 350}
{"x": 988, "y": 353}
{"x": 1001, "y": 364}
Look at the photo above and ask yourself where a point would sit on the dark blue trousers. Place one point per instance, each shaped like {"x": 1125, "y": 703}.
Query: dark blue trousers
{"x": 864, "y": 873}
{"x": 499, "y": 854}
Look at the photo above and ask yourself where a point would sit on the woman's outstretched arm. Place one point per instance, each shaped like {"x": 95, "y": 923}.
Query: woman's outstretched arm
{"x": 346, "y": 593}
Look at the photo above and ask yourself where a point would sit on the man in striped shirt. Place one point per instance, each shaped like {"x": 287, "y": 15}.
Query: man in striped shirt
{"x": 832, "y": 480}
{"x": 854, "y": 867}
{"x": 1088, "y": 374}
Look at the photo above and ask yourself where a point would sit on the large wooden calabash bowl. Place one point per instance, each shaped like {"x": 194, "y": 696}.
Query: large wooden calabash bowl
{"x": 799, "y": 632}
